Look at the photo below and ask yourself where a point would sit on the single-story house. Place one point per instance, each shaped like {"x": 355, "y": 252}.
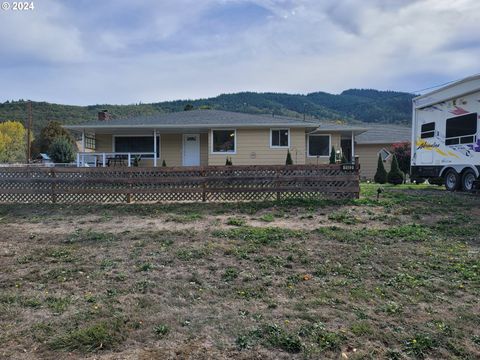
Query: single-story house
{"x": 378, "y": 140}
{"x": 209, "y": 137}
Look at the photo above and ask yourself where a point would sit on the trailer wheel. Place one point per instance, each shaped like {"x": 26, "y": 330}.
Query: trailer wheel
{"x": 452, "y": 180}
{"x": 468, "y": 180}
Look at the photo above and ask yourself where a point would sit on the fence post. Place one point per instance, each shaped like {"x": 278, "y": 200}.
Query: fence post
{"x": 277, "y": 184}
{"x": 129, "y": 195}
{"x": 204, "y": 186}
{"x": 53, "y": 188}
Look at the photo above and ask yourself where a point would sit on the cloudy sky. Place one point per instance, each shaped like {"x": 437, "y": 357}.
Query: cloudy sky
{"x": 128, "y": 51}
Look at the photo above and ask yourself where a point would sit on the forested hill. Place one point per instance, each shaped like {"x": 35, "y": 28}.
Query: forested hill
{"x": 353, "y": 105}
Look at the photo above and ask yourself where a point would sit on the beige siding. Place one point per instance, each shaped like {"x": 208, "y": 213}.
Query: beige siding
{"x": 103, "y": 143}
{"x": 253, "y": 148}
{"x": 203, "y": 149}
{"x": 368, "y": 158}
{"x": 171, "y": 149}
{"x": 335, "y": 140}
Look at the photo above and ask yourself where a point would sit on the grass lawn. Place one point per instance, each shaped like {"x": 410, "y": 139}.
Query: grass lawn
{"x": 396, "y": 278}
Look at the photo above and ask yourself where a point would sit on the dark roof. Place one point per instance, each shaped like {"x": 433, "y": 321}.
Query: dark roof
{"x": 202, "y": 118}
{"x": 384, "y": 134}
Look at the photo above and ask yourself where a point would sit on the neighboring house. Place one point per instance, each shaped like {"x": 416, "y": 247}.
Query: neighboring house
{"x": 376, "y": 141}
{"x": 208, "y": 137}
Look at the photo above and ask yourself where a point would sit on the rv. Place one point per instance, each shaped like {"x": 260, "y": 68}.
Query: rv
{"x": 445, "y": 135}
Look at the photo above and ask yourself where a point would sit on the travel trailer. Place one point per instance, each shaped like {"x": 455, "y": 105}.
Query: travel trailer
{"x": 445, "y": 135}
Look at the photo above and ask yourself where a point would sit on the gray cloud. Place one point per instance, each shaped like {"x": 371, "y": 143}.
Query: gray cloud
{"x": 123, "y": 51}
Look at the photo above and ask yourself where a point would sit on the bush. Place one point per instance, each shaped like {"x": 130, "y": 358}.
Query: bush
{"x": 61, "y": 150}
{"x": 381, "y": 174}
{"x": 333, "y": 156}
{"x": 164, "y": 164}
{"x": 395, "y": 176}
{"x": 49, "y": 134}
{"x": 402, "y": 151}
{"x": 289, "y": 160}
{"x": 228, "y": 161}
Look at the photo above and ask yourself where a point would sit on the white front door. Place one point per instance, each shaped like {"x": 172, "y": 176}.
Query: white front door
{"x": 191, "y": 150}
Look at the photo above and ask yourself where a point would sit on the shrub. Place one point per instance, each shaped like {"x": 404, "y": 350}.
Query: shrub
{"x": 344, "y": 159}
{"x": 228, "y": 161}
{"x": 402, "y": 152}
{"x": 164, "y": 164}
{"x": 289, "y": 160}
{"x": 381, "y": 174}
{"x": 62, "y": 150}
{"x": 50, "y": 133}
{"x": 395, "y": 176}
{"x": 333, "y": 156}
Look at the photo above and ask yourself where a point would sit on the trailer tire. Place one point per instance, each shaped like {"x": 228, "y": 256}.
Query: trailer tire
{"x": 452, "y": 180}
{"x": 468, "y": 180}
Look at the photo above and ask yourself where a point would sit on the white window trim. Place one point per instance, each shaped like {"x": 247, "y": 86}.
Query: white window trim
{"x": 388, "y": 152}
{"x": 271, "y": 137}
{"x": 139, "y": 135}
{"x": 223, "y": 152}
{"x": 329, "y": 146}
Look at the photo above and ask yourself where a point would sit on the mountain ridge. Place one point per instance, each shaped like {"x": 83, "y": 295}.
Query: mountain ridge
{"x": 350, "y": 106}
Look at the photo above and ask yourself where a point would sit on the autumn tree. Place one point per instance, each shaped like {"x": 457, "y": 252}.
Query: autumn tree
{"x": 13, "y": 142}
{"x": 49, "y": 133}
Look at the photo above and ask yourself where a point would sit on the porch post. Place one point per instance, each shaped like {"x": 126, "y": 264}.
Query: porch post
{"x": 155, "y": 147}
{"x": 78, "y": 159}
{"x": 103, "y": 159}
{"x": 353, "y": 147}
{"x": 129, "y": 159}
{"x": 83, "y": 140}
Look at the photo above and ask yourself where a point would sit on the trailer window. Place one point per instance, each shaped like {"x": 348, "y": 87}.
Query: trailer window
{"x": 428, "y": 130}
{"x": 461, "y": 130}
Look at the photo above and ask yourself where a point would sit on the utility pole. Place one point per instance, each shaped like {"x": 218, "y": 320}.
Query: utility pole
{"x": 29, "y": 130}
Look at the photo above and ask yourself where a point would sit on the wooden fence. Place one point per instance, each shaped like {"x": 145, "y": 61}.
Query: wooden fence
{"x": 209, "y": 183}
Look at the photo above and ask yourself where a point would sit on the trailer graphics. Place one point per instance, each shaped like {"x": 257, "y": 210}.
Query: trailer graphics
{"x": 445, "y": 134}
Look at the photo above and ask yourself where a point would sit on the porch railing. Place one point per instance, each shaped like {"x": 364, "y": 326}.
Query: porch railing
{"x": 103, "y": 159}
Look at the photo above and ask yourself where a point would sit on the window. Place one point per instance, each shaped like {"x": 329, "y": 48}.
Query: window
{"x": 136, "y": 144}
{"x": 318, "y": 145}
{"x": 90, "y": 142}
{"x": 280, "y": 138}
{"x": 223, "y": 141}
{"x": 461, "y": 129}
{"x": 384, "y": 154}
{"x": 428, "y": 130}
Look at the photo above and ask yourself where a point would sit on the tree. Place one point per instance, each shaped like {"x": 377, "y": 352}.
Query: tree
{"x": 395, "y": 176}
{"x": 62, "y": 150}
{"x": 402, "y": 151}
{"x": 333, "y": 156}
{"x": 49, "y": 133}
{"x": 288, "y": 160}
{"x": 381, "y": 174}
{"x": 188, "y": 107}
{"x": 13, "y": 142}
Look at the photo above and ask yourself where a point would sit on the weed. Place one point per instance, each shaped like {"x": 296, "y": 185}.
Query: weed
{"x": 264, "y": 236}
{"x": 102, "y": 335}
{"x": 230, "y": 274}
{"x": 79, "y": 236}
{"x": 236, "y": 221}
{"x": 419, "y": 345}
{"x": 161, "y": 330}
{"x": 267, "y": 218}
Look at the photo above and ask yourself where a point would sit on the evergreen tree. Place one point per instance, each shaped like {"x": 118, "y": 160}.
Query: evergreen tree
{"x": 62, "y": 150}
{"x": 395, "y": 176}
{"x": 49, "y": 133}
{"x": 333, "y": 156}
{"x": 381, "y": 174}
{"x": 289, "y": 160}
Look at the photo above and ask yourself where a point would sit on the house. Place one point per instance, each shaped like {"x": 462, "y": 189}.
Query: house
{"x": 378, "y": 140}
{"x": 209, "y": 137}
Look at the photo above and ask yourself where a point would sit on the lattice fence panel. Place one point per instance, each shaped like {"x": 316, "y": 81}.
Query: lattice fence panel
{"x": 211, "y": 183}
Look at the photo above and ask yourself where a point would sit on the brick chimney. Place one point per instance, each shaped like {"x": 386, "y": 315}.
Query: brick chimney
{"x": 103, "y": 115}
